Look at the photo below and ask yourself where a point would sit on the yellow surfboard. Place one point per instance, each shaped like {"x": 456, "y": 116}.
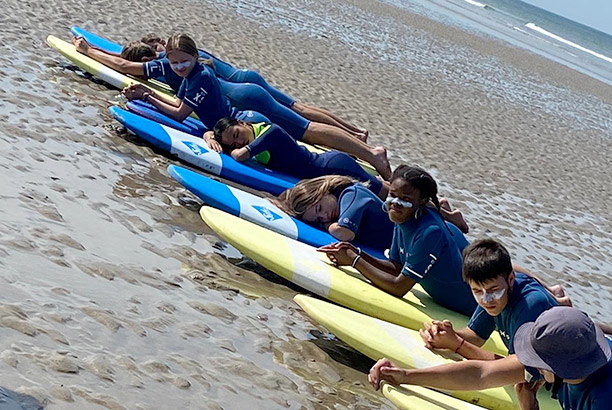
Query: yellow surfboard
{"x": 106, "y": 74}
{"x": 407, "y": 397}
{"x": 304, "y": 266}
{"x": 377, "y": 339}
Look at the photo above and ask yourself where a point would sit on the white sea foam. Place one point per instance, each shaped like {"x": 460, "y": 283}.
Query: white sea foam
{"x": 519, "y": 29}
{"x": 569, "y": 43}
{"x": 475, "y": 3}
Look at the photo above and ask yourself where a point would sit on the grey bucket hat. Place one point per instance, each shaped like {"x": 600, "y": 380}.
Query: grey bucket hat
{"x": 562, "y": 340}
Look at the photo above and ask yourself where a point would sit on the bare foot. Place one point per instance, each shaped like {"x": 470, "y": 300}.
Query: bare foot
{"x": 560, "y": 295}
{"x": 380, "y": 162}
{"x": 362, "y": 135}
{"x": 453, "y": 216}
{"x": 444, "y": 204}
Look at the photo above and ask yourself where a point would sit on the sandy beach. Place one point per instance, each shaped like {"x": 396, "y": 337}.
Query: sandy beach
{"x": 114, "y": 295}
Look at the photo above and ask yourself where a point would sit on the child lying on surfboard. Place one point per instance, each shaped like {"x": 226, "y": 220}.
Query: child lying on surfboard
{"x": 348, "y": 210}
{"x": 273, "y": 147}
{"x": 152, "y": 47}
{"x": 201, "y": 92}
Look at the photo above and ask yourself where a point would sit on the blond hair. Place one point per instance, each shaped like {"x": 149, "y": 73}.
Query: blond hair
{"x": 295, "y": 201}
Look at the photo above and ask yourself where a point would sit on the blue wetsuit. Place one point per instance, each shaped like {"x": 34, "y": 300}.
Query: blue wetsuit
{"x": 160, "y": 70}
{"x": 279, "y": 151}
{"x": 232, "y": 74}
{"x": 594, "y": 393}
{"x": 361, "y": 212}
{"x": 201, "y": 91}
{"x": 247, "y": 96}
{"x": 527, "y": 300}
{"x": 242, "y": 96}
{"x": 430, "y": 252}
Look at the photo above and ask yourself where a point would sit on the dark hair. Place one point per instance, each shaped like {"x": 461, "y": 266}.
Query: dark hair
{"x": 220, "y": 127}
{"x": 419, "y": 179}
{"x": 136, "y": 50}
{"x": 484, "y": 260}
{"x": 151, "y": 38}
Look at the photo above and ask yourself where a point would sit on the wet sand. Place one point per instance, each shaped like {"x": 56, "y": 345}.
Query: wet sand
{"x": 116, "y": 296}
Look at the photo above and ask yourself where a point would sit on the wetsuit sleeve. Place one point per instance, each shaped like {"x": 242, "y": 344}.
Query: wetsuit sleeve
{"x": 482, "y": 323}
{"x": 265, "y": 141}
{"x": 394, "y": 251}
{"x": 352, "y": 206}
{"x": 532, "y": 305}
{"x": 425, "y": 253}
{"x": 154, "y": 69}
{"x": 193, "y": 92}
{"x": 181, "y": 92}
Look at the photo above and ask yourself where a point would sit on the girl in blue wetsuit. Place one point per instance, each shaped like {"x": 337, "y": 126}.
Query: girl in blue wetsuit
{"x": 201, "y": 92}
{"x": 152, "y": 52}
{"x": 272, "y": 146}
{"x": 243, "y": 96}
{"x": 224, "y": 70}
{"x": 424, "y": 249}
{"x": 348, "y": 210}
{"x": 232, "y": 74}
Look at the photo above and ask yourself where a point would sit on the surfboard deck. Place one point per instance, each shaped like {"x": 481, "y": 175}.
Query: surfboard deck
{"x": 407, "y": 397}
{"x": 254, "y": 209}
{"x": 377, "y": 339}
{"x": 99, "y": 70}
{"x": 195, "y": 151}
{"x": 190, "y": 125}
{"x": 303, "y": 265}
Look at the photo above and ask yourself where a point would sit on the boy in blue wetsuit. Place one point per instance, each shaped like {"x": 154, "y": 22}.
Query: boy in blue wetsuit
{"x": 506, "y": 299}
{"x": 424, "y": 249}
{"x": 566, "y": 347}
{"x": 273, "y": 147}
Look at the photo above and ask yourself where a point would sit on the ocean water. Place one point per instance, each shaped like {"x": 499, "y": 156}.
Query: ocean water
{"x": 565, "y": 41}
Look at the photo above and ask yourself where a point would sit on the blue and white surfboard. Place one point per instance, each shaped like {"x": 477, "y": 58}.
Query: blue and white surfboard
{"x": 97, "y": 41}
{"x": 195, "y": 151}
{"x": 190, "y": 125}
{"x": 254, "y": 209}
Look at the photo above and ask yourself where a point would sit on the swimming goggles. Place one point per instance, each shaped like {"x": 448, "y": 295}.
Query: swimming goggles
{"x": 181, "y": 66}
{"x": 488, "y": 297}
{"x": 394, "y": 200}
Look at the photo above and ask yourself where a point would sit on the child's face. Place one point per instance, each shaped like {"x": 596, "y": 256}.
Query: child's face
{"x": 494, "y": 294}
{"x": 322, "y": 212}
{"x": 237, "y": 136}
{"x": 408, "y": 194}
{"x": 181, "y": 62}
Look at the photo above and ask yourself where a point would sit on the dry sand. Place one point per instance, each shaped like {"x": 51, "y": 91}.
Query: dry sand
{"x": 112, "y": 294}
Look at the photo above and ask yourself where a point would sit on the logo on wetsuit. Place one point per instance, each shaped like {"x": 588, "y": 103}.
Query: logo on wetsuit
{"x": 199, "y": 97}
{"x": 266, "y": 213}
{"x": 195, "y": 148}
